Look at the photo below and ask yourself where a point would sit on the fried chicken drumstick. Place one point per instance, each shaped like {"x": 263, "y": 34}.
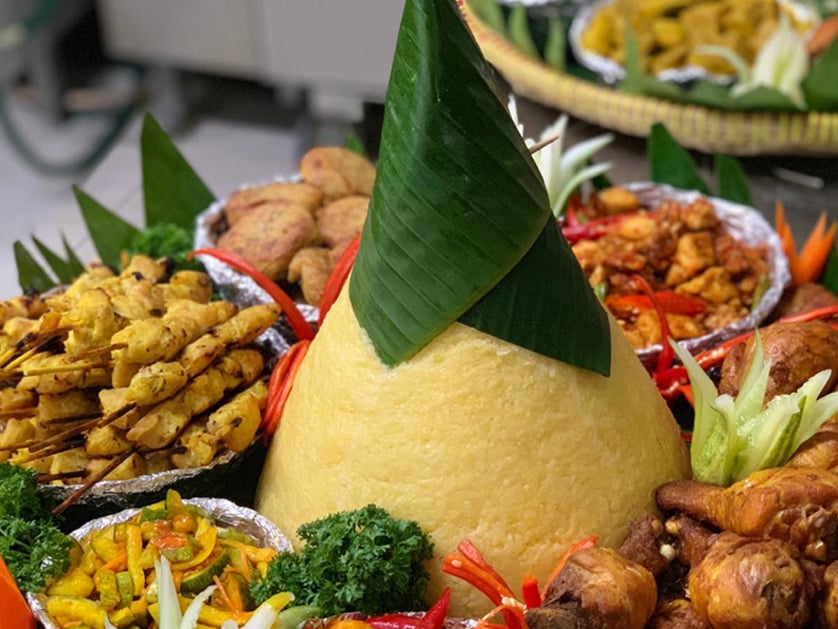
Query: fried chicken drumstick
{"x": 799, "y": 505}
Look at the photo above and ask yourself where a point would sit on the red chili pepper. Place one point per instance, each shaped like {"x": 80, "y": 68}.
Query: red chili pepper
{"x": 337, "y": 278}
{"x": 530, "y": 591}
{"x": 670, "y": 301}
{"x": 282, "y": 380}
{"x": 667, "y": 353}
{"x": 468, "y": 564}
{"x": 596, "y": 228}
{"x": 296, "y": 320}
{"x": 431, "y": 619}
{"x": 811, "y": 315}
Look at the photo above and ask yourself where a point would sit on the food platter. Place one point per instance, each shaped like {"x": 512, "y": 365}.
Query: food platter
{"x": 694, "y": 126}
{"x": 448, "y": 403}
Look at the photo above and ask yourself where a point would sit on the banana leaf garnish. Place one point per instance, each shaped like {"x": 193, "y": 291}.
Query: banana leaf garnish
{"x": 173, "y": 192}
{"x": 108, "y": 231}
{"x": 459, "y": 225}
{"x": 174, "y": 196}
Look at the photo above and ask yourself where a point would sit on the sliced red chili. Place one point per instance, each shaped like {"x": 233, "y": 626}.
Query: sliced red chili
{"x": 530, "y": 591}
{"x": 301, "y": 328}
{"x": 338, "y": 276}
{"x": 282, "y": 379}
{"x": 667, "y": 353}
{"x": 670, "y": 301}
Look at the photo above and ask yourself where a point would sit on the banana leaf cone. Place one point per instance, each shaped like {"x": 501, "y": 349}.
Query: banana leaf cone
{"x": 467, "y": 377}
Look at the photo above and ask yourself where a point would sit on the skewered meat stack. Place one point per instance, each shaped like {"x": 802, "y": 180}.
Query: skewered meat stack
{"x": 129, "y": 374}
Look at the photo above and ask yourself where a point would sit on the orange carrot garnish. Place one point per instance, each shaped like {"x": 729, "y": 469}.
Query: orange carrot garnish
{"x": 806, "y": 265}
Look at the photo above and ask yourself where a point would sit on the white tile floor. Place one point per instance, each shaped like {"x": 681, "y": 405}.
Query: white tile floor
{"x": 223, "y": 152}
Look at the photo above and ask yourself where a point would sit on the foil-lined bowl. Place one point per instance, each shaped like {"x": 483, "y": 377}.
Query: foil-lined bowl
{"x": 224, "y": 512}
{"x": 612, "y": 72}
{"x": 746, "y": 225}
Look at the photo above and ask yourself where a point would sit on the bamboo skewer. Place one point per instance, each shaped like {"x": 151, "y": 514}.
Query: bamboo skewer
{"x": 110, "y": 467}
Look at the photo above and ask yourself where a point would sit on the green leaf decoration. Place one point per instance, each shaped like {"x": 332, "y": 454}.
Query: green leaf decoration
{"x": 458, "y": 202}
{"x": 533, "y": 284}
{"x": 732, "y": 181}
{"x": 632, "y": 83}
{"x": 110, "y": 233}
{"x": 62, "y": 269}
{"x": 173, "y": 191}
{"x": 670, "y": 163}
{"x": 717, "y": 96}
{"x": 519, "y": 31}
{"x": 354, "y": 144}
{"x": 555, "y": 48}
{"x": 830, "y": 273}
{"x": 30, "y": 275}
{"x": 76, "y": 265}
{"x": 490, "y": 13}
{"x": 820, "y": 87}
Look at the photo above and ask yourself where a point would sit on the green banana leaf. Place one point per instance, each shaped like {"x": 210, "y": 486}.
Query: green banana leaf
{"x": 670, "y": 163}
{"x": 109, "y": 232}
{"x": 173, "y": 192}
{"x": 458, "y": 203}
{"x": 31, "y": 277}
{"x": 732, "y": 181}
{"x": 65, "y": 270}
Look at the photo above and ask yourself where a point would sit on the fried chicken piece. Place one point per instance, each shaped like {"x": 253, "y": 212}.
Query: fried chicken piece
{"x": 598, "y": 587}
{"x": 738, "y": 581}
{"x": 616, "y": 200}
{"x": 805, "y": 297}
{"x": 676, "y": 613}
{"x": 648, "y": 544}
{"x": 244, "y": 200}
{"x": 338, "y": 171}
{"x": 744, "y": 583}
{"x": 270, "y": 235}
{"x": 693, "y": 254}
{"x": 799, "y": 505}
{"x": 797, "y": 352}
{"x": 819, "y": 450}
{"x": 311, "y": 267}
{"x": 829, "y": 597}
{"x": 341, "y": 220}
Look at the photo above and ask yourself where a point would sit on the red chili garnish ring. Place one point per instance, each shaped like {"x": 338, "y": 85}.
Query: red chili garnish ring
{"x": 301, "y": 328}
{"x": 338, "y": 277}
{"x": 280, "y": 385}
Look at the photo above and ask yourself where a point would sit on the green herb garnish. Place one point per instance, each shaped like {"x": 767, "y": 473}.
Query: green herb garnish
{"x": 363, "y": 560}
{"x": 33, "y": 547}
{"x": 165, "y": 240}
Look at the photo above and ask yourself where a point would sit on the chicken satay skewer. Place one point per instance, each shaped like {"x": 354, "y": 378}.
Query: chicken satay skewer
{"x": 158, "y": 381}
{"x": 78, "y": 430}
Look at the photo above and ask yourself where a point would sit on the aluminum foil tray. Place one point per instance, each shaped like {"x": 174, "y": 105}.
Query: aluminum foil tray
{"x": 746, "y": 225}
{"x": 243, "y": 519}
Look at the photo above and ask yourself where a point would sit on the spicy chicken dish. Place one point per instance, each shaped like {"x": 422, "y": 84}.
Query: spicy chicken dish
{"x": 678, "y": 258}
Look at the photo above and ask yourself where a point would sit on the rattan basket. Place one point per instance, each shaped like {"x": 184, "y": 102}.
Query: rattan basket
{"x": 700, "y": 128}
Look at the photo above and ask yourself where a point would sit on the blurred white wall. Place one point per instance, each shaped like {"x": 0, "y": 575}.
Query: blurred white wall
{"x": 338, "y": 52}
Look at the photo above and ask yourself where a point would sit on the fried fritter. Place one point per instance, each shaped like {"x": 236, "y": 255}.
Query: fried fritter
{"x": 338, "y": 171}
{"x": 269, "y": 235}
{"x": 283, "y": 192}
{"x": 311, "y": 267}
{"x": 340, "y": 221}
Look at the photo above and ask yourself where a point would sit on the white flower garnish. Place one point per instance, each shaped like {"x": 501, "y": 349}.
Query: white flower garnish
{"x": 562, "y": 171}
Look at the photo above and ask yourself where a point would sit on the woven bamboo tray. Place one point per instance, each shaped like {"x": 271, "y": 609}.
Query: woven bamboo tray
{"x": 700, "y": 128}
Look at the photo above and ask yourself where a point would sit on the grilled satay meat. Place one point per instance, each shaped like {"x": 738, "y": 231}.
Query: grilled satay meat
{"x": 742, "y": 582}
{"x": 160, "y": 426}
{"x": 597, "y": 588}
{"x": 797, "y": 351}
{"x": 799, "y": 505}
{"x": 148, "y": 340}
